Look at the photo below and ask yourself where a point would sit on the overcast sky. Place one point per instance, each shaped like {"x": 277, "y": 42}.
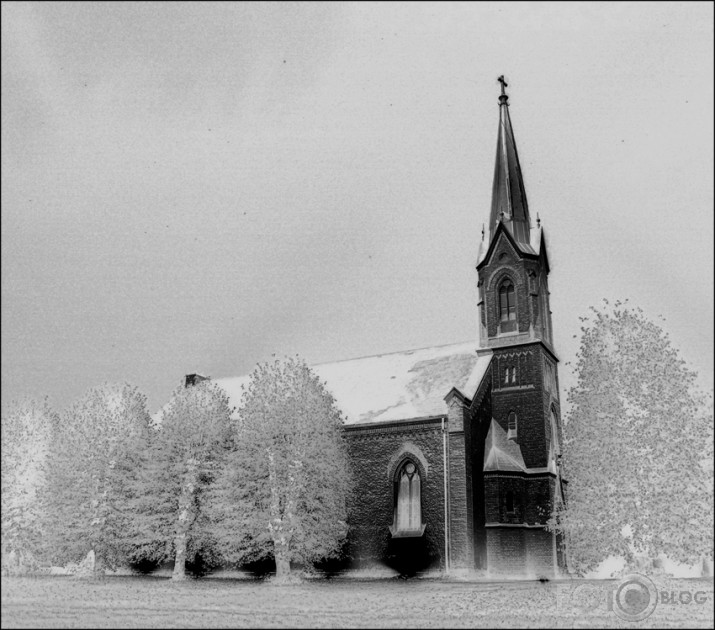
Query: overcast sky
{"x": 193, "y": 187}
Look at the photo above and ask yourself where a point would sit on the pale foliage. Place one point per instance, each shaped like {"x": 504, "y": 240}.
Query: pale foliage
{"x": 637, "y": 445}
{"x": 26, "y": 427}
{"x": 169, "y": 486}
{"x": 284, "y": 490}
{"x": 86, "y": 466}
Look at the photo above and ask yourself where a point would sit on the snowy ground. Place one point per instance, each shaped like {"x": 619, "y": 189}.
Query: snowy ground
{"x": 134, "y": 602}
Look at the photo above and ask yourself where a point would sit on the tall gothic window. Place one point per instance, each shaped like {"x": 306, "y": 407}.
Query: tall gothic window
{"x": 408, "y": 506}
{"x": 507, "y": 306}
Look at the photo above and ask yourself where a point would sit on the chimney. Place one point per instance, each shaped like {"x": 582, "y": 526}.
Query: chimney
{"x": 195, "y": 379}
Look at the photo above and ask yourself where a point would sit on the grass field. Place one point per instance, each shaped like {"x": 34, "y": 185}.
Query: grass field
{"x": 151, "y": 602}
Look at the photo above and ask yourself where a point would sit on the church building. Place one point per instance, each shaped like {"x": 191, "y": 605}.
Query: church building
{"x": 455, "y": 448}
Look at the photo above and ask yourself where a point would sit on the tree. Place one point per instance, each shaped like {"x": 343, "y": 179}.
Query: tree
{"x": 86, "y": 463}
{"x": 638, "y": 447}
{"x": 284, "y": 489}
{"x": 168, "y": 495}
{"x": 25, "y": 433}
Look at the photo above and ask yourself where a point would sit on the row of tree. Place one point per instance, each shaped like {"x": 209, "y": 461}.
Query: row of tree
{"x": 271, "y": 480}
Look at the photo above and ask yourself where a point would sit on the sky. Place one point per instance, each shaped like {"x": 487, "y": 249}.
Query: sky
{"x": 194, "y": 187}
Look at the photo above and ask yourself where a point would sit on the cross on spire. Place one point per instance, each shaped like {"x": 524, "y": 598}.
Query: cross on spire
{"x": 504, "y": 84}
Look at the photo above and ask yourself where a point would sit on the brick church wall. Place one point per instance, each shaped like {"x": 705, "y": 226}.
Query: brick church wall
{"x": 531, "y": 497}
{"x": 539, "y": 493}
{"x": 460, "y": 538}
{"x": 506, "y": 555}
{"x": 520, "y": 552}
{"x": 540, "y": 558}
{"x": 461, "y": 530}
{"x": 375, "y": 451}
{"x": 496, "y": 489}
{"x": 512, "y": 549}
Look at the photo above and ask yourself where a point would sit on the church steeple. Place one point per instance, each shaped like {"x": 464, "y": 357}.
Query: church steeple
{"x": 509, "y": 203}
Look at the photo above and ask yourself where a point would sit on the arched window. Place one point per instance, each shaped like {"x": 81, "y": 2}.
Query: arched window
{"x": 507, "y": 306}
{"x": 512, "y": 425}
{"x": 408, "y": 504}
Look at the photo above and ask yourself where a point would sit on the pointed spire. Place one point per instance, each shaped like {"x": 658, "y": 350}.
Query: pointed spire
{"x": 509, "y": 203}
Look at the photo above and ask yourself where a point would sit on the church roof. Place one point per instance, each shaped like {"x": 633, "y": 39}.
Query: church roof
{"x": 396, "y": 386}
{"x": 501, "y": 453}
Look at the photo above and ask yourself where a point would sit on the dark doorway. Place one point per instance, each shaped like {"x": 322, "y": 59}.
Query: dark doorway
{"x": 410, "y": 556}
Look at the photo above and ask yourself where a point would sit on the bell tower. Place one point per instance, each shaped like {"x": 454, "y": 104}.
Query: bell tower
{"x": 513, "y": 264}
{"x": 520, "y": 467}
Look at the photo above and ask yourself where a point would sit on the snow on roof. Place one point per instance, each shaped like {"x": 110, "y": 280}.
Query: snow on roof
{"x": 501, "y": 453}
{"x": 396, "y": 386}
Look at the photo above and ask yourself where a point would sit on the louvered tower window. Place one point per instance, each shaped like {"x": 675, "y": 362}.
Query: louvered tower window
{"x": 507, "y": 307}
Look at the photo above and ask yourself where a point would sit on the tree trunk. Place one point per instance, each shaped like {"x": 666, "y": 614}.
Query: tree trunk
{"x": 276, "y": 526}
{"x": 186, "y": 516}
{"x": 282, "y": 561}
{"x": 180, "y": 558}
